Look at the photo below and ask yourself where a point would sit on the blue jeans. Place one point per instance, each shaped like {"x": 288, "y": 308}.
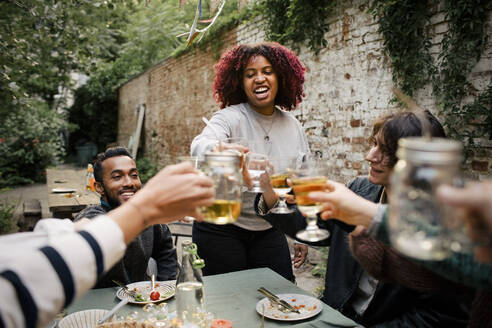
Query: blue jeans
{"x": 228, "y": 248}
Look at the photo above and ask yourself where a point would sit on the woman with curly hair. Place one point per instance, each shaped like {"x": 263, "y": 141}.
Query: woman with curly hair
{"x": 255, "y": 86}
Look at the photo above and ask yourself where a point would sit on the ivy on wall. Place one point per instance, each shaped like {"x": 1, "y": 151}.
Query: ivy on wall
{"x": 294, "y": 22}
{"x": 403, "y": 24}
{"x": 462, "y": 48}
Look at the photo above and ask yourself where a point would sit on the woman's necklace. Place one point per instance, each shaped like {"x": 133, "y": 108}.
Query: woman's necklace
{"x": 267, "y": 133}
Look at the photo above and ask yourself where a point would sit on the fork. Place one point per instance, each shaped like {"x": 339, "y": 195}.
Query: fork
{"x": 127, "y": 290}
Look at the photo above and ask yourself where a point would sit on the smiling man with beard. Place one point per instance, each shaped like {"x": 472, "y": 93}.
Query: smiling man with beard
{"x": 117, "y": 180}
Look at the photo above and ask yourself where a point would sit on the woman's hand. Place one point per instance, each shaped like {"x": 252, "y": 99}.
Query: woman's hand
{"x": 300, "y": 254}
{"x": 341, "y": 203}
{"x": 269, "y": 195}
{"x": 223, "y": 146}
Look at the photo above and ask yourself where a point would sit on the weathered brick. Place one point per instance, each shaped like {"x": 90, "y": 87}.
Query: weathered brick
{"x": 358, "y": 140}
{"x": 481, "y": 166}
{"x": 355, "y": 123}
{"x": 348, "y": 86}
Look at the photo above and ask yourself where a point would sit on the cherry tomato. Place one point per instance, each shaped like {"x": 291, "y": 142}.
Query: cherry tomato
{"x": 155, "y": 295}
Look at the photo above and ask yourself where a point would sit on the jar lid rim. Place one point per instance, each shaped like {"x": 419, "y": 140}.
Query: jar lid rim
{"x": 223, "y": 155}
{"x": 432, "y": 145}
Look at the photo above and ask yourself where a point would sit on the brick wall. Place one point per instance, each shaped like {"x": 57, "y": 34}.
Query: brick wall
{"x": 347, "y": 87}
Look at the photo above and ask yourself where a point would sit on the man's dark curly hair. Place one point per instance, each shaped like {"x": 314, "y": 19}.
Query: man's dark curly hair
{"x": 229, "y": 70}
{"x": 101, "y": 157}
{"x": 393, "y": 127}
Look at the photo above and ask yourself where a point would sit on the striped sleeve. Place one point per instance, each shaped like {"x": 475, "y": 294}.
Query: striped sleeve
{"x": 36, "y": 283}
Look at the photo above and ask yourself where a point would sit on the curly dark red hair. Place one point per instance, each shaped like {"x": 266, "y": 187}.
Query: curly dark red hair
{"x": 227, "y": 86}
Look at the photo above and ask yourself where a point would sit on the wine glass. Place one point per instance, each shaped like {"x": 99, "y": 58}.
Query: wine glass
{"x": 278, "y": 172}
{"x": 257, "y": 164}
{"x": 310, "y": 176}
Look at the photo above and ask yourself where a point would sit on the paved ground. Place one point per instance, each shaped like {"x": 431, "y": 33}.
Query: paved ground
{"x": 18, "y": 195}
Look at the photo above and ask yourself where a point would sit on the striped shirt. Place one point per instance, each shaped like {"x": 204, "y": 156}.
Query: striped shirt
{"x": 43, "y": 271}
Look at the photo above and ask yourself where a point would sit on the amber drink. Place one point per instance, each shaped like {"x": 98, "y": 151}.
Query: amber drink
{"x": 279, "y": 183}
{"x": 223, "y": 169}
{"x": 302, "y": 187}
{"x": 222, "y": 211}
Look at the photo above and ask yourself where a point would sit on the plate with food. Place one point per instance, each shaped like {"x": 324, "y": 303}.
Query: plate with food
{"x": 143, "y": 292}
{"x": 307, "y": 306}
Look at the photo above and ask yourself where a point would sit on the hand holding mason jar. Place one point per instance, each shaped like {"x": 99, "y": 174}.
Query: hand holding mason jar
{"x": 420, "y": 226}
{"x": 223, "y": 168}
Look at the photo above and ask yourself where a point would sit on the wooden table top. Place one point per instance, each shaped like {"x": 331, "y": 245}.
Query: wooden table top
{"x": 58, "y": 179}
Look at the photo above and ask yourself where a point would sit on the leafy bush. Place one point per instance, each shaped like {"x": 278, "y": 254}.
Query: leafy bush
{"x": 6, "y": 217}
{"x": 29, "y": 142}
{"x": 319, "y": 269}
{"x": 146, "y": 168}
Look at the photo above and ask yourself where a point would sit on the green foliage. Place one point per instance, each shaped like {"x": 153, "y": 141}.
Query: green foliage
{"x": 150, "y": 37}
{"x": 462, "y": 48}
{"x": 24, "y": 156}
{"x": 319, "y": 269}
{"x": 7, "y": 223}
{"x": 147, "y": 168}
{"x": 297, "y": 21}
{"x": 42, "y": 42}
{"x": 403, "y": 23}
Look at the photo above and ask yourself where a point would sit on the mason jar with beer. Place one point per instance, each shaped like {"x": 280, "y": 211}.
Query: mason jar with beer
{"x": 223, "y": 168}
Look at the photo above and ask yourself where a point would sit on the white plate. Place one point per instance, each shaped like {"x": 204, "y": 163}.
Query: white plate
{"x": 308, "y": 306}
{"x": 166, "y": 290}
{"x": 82, "y": 319}
{"x": 63, "y": 190}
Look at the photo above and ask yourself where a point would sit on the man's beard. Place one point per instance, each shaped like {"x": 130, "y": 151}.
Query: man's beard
{"x": 113, "y": 202}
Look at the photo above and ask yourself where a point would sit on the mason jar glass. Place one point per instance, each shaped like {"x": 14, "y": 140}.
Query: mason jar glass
{"x": 419, "y": 225}
{"x": 223, "y": 168}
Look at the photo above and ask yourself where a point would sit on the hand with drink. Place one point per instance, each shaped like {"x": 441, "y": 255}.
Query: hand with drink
{"x": 342, "y": 203}
{"x": 310, "y": 176}
{"x": 223, "y": 168}
{"x": 257, "y": 164}
{"x": 238, "y": 144}
{"x": 476, "y": 201}
{"x": 275, "y": 185}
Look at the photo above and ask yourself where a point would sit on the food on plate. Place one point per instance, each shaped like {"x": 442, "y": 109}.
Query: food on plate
{"x": 155, "y": 295}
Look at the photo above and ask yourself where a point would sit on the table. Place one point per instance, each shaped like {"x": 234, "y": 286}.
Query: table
{"x": 59, "y": 204}
{"x": 230, "y": 296}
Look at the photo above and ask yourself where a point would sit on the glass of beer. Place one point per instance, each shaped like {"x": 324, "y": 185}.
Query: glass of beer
{"x": 310, "y": 176}
{"x": 278, "y": 172}
{"x": 223, "y": 168}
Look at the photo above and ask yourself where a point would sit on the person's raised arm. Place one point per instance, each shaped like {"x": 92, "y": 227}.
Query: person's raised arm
{"x": 38, "y": 280}
{"x": 476, "y": 200}
{"x": 173, "y": 193}
{"x": 343, "y": 204}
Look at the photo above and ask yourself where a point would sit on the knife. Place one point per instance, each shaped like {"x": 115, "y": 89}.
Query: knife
{"x": 274, "y": 298}
{"x": 113, "y": 311}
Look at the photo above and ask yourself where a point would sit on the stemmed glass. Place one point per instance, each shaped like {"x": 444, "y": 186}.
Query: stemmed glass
{"x": 257, "y": 164}
{"x": 310, "y": 176}
{"x": 278, "y": 172}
